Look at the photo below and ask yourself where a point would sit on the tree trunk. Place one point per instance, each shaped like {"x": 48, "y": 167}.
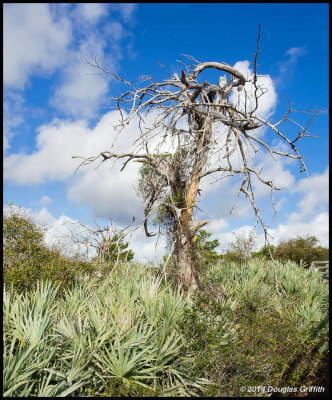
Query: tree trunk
{"x": 185, "y": 256}
{"x": 185, "y": 235}
{"x": 185, "y": 263}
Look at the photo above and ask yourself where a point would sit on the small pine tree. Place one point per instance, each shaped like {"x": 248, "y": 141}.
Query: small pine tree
{"x": 118, "y": 250}
{"x": 206, "y": 248}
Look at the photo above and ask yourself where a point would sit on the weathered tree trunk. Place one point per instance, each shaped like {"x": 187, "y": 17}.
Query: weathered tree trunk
{"x": 170, "y": 182}
{"x": 185, "y": 256}
{"x": 185, "y": 234}
{"x": 186, "y": 266}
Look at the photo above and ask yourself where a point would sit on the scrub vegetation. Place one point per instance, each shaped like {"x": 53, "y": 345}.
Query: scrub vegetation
{"x": 70, "y": 332}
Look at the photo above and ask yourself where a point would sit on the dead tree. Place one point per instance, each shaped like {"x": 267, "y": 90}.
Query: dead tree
{"x": 100, "y": 239}
{"x": 194, "y": 123}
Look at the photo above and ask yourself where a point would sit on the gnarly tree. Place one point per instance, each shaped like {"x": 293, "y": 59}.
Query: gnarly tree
{"x": 196, "y": 132}
{"x": 107, "y": 241}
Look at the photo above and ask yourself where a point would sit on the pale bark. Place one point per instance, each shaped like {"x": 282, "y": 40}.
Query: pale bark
{"x": 173, "y": 181}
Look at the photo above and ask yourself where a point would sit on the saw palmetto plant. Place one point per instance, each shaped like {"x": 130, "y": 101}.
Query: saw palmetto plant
{"x": 122, "y": 333}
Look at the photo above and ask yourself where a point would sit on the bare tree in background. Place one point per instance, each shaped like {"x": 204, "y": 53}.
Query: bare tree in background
{"x": 242, "y": 246}
{"x": 196, "y": 132}
{"x": 98, "y": 238}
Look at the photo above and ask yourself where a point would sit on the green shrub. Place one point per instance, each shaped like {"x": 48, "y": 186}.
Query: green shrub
{"x": 206, "y": 248}
{"x": 242, "y": 333}
{"x": 118, "y": 251}
{"x": 26, "y": 258}
{"x": 299, "y": 249}
{"x": 109, "y": 337}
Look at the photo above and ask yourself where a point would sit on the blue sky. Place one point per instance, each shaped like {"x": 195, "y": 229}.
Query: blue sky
{"x": 54, "y": 109}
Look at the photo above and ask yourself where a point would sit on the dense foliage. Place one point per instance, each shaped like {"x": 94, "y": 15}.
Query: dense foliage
{"x": 133, "y": 335}
{"x": 118, "y": 251}
{"x": 302, "y": 249}
{"x": 243, "y": 334}
{"x": 114, "y": 337}
{"x": 130, "y": 332}
{"x": 26, "y": 258}
{"x": 305, "y": 248}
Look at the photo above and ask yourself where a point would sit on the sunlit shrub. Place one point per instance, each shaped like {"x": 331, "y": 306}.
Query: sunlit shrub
{"x": 241, "y": 332}
{"x": 101, "y": 338}
{"x": 26, "y": 258}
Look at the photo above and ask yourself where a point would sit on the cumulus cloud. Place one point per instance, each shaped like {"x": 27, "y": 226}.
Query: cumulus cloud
{"x": 315, "y": 191}
{"x": 82, "y": 89}
{"x": 40, "y": 39}
{"x": 45, "y": 200}
{"x": 147, "y": 250}
{"x": 217, "y": 225}
{"x": 34, "y": 42}
{"x": 56, "y": 143}
{"x": 266, "y": 103}
{"x": 91, "y": 12}
{"x": 80, "y": 94}
{"x": 296, "y": 225}
{"x": 107, "y": 190}
{"x": 273, "y": 170}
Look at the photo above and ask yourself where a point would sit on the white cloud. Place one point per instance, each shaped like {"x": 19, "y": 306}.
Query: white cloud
{"x": 83, "y": 88}
{"x": 315, "y": 190}
{"x": 43, "y": 217}
{"x": 293, "y": 55}
{"x": 275, "y": 171}
{"x": 299, "y": 226}
{"x": 107, "y": 190}
{"x": 217, "y": 225}
{"x": 147, "y": 249}
{"x": 42, "y": 38}
{"x": 91, "y": 12}
{"x": 45, "y": 200}
{"x": 56, "y": 143}
{"x": 34, "y": 43}
{"x": 126, "y": 10}
{"x": 266, "y": 103}
{"x": 80, "y": 94}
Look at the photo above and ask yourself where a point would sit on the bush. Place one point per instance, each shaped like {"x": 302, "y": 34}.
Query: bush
{"x": 242, "y": 333}
{"x": 305, "y": 248}
{"x": 206, "y": 248}
{"x": 118, "y": 251}
{"x": 26, "y": 258}
{"x": 109, "y": 337}
{"x": 240, "y": 250}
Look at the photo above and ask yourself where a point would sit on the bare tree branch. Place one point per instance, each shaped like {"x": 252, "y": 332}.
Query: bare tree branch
{"x": 194, "y": 123}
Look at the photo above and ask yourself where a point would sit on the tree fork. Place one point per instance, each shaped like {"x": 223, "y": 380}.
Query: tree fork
{"x": 178, "y": 175}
